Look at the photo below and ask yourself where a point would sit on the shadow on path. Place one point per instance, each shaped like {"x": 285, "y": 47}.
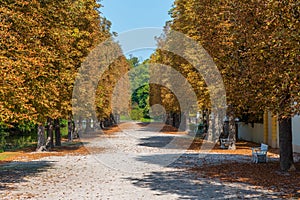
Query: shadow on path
{"x": 156, "y": 141}
{"x": 179, "y": 142}
{"x": 180, "y": 180}
{"x": 188, "y": 185}
{"x": 191, "y": 160}
{"x": 17, "y": 171}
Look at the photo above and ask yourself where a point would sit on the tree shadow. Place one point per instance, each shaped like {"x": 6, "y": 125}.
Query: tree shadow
{"x": 264, "y": 175}
{"x": 15, "y": 172}
{"x": 218, "y": 176}
{"x": 190, "y": 160}
{"x": 159, "y": 127}
{"x": 188, "y": 185}
{"x": 180, "y": 142}
{"x": 156, "y": 141}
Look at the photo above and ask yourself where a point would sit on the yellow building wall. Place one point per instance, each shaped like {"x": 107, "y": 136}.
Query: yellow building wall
{"x": 266, "y": 127}
{"x": 274, "y": 140}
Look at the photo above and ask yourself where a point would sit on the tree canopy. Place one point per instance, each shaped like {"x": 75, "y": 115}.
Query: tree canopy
{"x": 255, "y": 46}
{"x": 43, "y": 45}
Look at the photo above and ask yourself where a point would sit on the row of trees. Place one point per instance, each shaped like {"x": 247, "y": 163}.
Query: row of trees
{"x": 42, "y": 46}
{"x": 101, "y": 88}
{"x": 255, "y": 46}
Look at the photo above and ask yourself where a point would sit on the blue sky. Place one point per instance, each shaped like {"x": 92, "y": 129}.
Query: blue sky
{"x": 127, "y": 15}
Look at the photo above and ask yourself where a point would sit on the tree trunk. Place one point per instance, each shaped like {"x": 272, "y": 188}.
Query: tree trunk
{"x": 205, "y": 121}
{"x": 168, "y": 119}
{"x": 105, "y": 123}
{"x": 286, "y": 144}
{"x": 70, "y": 130}
{"x": 183, "y": 122}
{"x": 173, "y": 119}
{"x": 211, "y": 129}
{"x": 187, "y": 122}
{"x": 232, "y": 132}
{"x": 113, "y": 119}
{"x": 102, "y": 124}
{"x": 218, "y": 122}
{"x": 95, "y": 124}
{"x": 74, "y": 130}
{"x": 50, "y": 142}
{"x": 236, "y": 131}
{"x": 41, "y": 138}
{"x": 57, "y": 132}
{"x": 88, "y": 128}
{"x": 176, "y": 120}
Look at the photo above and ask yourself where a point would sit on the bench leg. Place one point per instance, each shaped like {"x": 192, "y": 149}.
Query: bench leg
{"x": 222, "y": 146}
{"x": 259, "y": 158}
{"x": 254, "y": 159}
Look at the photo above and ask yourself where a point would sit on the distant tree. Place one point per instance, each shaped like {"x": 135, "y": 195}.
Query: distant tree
{"x": 139, "y": 78}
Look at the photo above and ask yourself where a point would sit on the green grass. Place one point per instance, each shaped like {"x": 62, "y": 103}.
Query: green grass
{"x": 5, "y": 155}
{"x": 125, "y": 118}
{"x": 19, "y": 143}
{"x": 147, "y": 120}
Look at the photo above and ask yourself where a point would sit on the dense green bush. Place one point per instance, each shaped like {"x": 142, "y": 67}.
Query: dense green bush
{"x": 64, "y": 128}
{"x": 17, "y": 135}
{"x": 137, "y": 114}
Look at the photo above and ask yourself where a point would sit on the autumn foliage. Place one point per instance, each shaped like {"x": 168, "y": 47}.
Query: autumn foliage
{"x": 255, "y": 45}
{"x": 42, "y": 46}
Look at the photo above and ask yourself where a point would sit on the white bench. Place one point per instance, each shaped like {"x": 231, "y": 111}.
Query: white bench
{"x": 226, "y": 142}
{"x": 259, "y": 154}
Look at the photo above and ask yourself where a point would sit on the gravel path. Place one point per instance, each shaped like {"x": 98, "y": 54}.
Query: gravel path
{"x": 138, "y": 163}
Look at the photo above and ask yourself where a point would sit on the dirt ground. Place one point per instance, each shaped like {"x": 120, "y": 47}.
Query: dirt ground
{"x": 76, "y": 147}
{"x": 262, "y": 175}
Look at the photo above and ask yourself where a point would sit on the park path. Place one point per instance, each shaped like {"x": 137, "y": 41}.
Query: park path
{"x": 137, "y": 163}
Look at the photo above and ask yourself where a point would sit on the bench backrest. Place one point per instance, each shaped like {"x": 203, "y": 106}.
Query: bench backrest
{"x": 264, "y": 147}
